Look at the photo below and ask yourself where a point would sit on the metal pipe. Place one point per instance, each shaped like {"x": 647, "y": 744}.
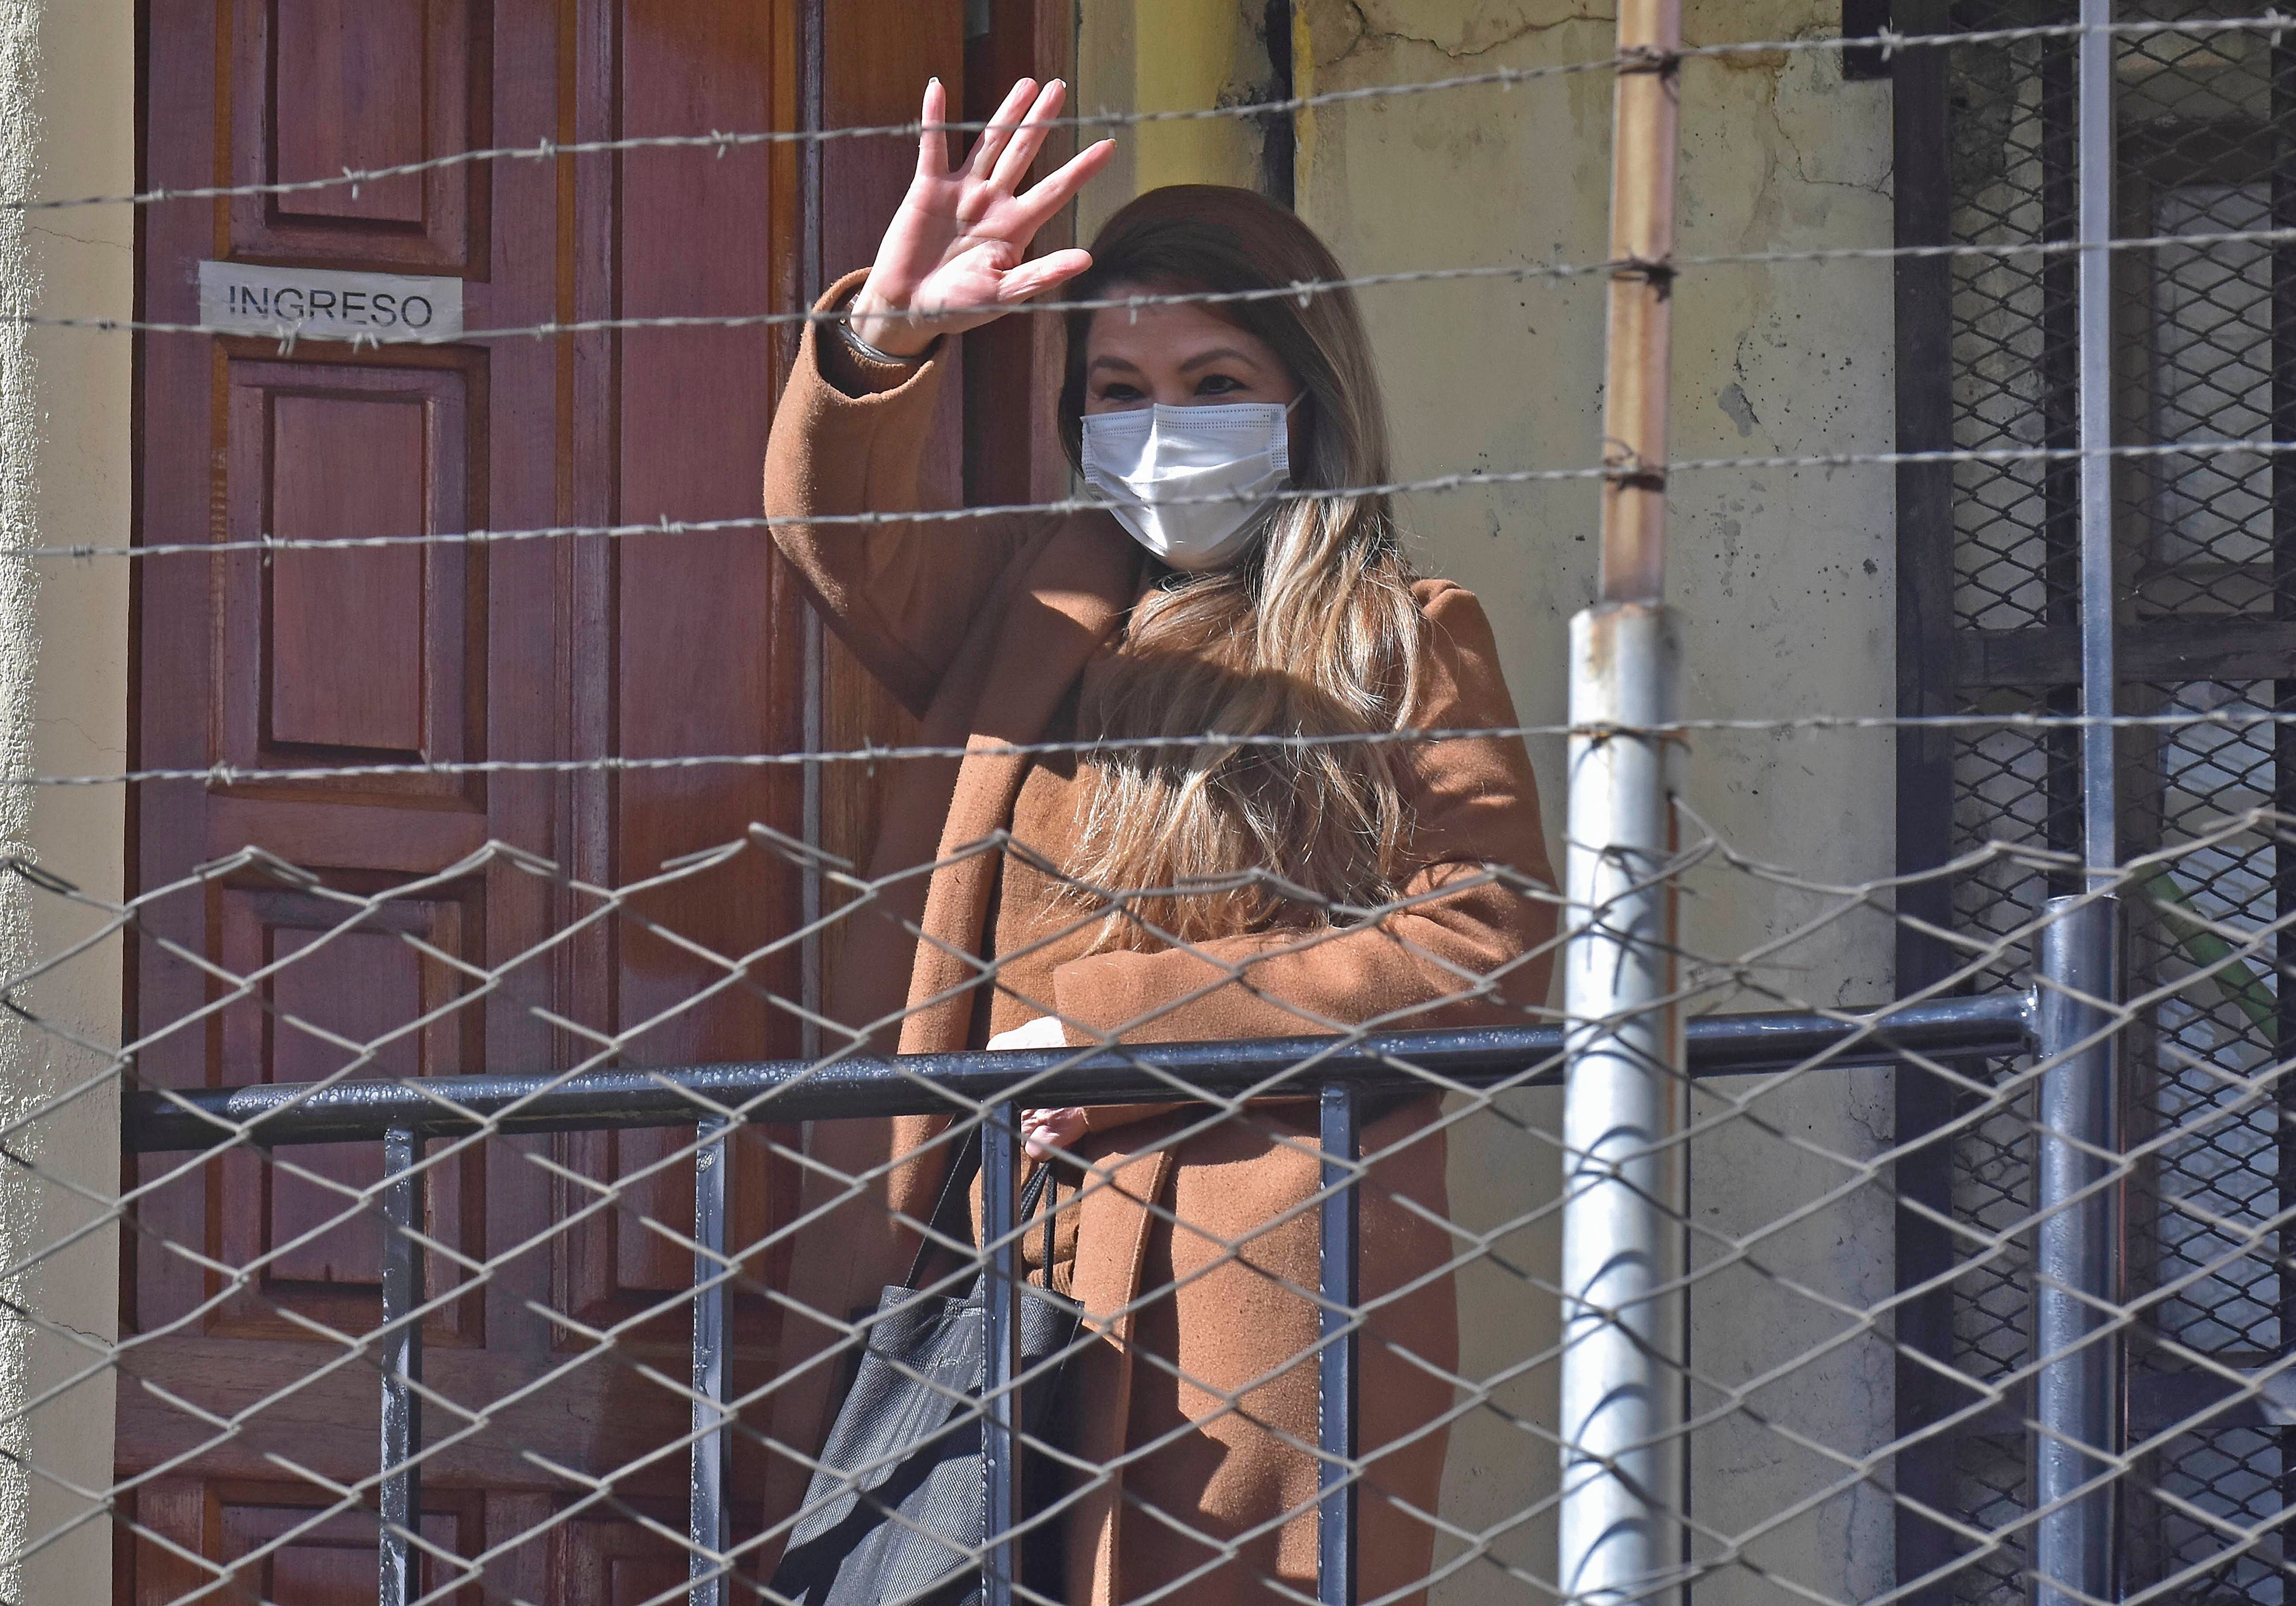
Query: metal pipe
{"x": 1646, "y": 107}
{"x": 2077, "y": 1254}
{"x": 399, "y": 1497}
{"x": 1618, "y": 1536}
{"x": 2100, "y": 821}
{"x": 795, "y": 1090}
{"x": 1000, "y": 1415}
{"x": 1620, "y": 1532}
{"x": 1339, "y": 1270}
{"x": 705, "y": 1498}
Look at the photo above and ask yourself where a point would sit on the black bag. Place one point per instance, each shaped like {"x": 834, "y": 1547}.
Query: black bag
{"x": 898, "y": 1511}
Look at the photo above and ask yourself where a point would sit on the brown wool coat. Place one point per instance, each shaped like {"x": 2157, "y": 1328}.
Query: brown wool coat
{"x": 1192, "y": 1238}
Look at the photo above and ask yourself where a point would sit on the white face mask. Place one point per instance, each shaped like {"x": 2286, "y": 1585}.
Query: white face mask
{"x": 1154, "y": 463}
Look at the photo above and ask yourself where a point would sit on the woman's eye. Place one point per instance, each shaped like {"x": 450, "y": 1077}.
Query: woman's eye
{"x": 1120, "y": 394}
{"x": 1217, "y": 384}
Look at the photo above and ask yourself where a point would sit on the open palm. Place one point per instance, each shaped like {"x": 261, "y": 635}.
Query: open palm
{"x": 956, "y": 256}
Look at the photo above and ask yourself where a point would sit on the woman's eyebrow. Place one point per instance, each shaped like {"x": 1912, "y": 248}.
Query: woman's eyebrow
{"x": 1218, "y": 354}
{"x": 1099, "y": 363}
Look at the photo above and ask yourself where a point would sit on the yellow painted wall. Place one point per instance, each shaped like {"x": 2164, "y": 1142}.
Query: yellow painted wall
{"x": 1786, "y": 587}
{"x": 1168, "y": 56}
{"x": 67, "y": 128}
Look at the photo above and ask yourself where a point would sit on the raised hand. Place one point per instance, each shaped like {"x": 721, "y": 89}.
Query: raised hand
{"x": 953, "y": 259}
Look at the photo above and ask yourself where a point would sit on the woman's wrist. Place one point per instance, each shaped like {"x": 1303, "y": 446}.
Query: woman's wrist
{"x": 863, "y": 349}
{"x": 892, "y": 335}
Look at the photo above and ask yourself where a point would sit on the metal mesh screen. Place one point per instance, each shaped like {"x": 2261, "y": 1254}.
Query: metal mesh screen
{"x": 2202, "y": 556}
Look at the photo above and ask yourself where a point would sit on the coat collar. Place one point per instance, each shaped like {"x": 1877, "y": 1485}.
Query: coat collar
{"x": 1072, "y": 599}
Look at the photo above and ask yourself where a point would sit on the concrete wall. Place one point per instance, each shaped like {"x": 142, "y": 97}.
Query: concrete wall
{"x": 67, "y": 128}
{"x": 1786, "y": 588}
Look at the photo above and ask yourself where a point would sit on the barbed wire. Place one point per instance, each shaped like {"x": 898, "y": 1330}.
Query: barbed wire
{"x": 1889, "y": 42}
{"x": 224, "y": 773}
{"x": 290, "y": 336}
{"x": 1836, "y": 1161}
{"x": 1436, "y": 484}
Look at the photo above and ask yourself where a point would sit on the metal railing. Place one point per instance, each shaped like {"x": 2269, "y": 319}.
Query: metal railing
{"x": 1339, "y": 1072}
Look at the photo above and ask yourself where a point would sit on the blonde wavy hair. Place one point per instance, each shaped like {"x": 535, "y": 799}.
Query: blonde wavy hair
{"x": 1316, "y": 633}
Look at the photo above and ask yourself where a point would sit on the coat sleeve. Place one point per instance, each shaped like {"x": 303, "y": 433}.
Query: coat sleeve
{"x": 850, "y": 438}
{"x": 1471, "y": 942}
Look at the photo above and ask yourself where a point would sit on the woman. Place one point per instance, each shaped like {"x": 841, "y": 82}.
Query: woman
{"x": 1191, "y": 1236}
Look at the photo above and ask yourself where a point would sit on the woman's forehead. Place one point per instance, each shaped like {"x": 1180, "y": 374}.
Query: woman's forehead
{"x": 1168, "y": 333}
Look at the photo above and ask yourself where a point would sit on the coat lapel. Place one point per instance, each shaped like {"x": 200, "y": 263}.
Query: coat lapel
{"x": 1074, "y": 597}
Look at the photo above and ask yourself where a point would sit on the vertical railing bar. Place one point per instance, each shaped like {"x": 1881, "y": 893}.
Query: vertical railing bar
{"x": 1339, "y": 1270}
{"x": 1000, "y": 1438}
{"x": 2076, "y": 1248}
{"x": 705, "y": 1508}
{"x": 2093, "y": 161}
{"x": 400, "y": 1496}
{"x": 2075, "y": 1256}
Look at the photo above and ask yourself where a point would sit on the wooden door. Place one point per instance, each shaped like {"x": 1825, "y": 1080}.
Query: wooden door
{"x": 464, "y": 955}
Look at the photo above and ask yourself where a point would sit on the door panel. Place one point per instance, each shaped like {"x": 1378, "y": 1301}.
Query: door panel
{"x": 341, "y": 674}
{"x": 358, "y": 942}
{"x": 320, "y": 87}
{"x": 624, "y": 1564}
{"x": 388, "y": 984}
{"x": 371, "y": 655}
{"x": 288, "y": 1558}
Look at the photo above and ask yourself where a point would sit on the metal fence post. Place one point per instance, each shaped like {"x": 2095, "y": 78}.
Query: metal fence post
{"x": 2077, "y": 1256}
{"x": 2076, "y": 1398}
{"x": 2094, "y": 348}
{"x": 1622, "y": 1383}
{"x": 399, "y": 1498}
{"x": 1339, "y": 1270}
{"x": 1000, "y": 1416}
{"x": 705, "y": 1511}
{"x": 1620, "y": 1526}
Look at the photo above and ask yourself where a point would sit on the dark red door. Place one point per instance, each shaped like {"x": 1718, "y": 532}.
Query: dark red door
{"x": 388, "y": 927}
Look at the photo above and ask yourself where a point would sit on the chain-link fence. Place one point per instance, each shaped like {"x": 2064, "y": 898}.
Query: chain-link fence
{"x": 373, "y": 1223}
{"x": 987, "y": 1218}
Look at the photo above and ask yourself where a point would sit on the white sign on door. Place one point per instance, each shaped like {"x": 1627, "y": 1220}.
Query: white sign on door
{"x": 238, "y": 298}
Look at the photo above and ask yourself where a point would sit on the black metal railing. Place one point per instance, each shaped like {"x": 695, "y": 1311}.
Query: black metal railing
{"x": 1340, "y": 1072}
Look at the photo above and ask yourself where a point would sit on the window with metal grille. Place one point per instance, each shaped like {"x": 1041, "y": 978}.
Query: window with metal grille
{"x": 2205, "y": 550}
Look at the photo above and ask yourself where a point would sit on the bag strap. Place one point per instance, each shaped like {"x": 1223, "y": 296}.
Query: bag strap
{"x": 952, "y": 1215}
{"x": 1039, "y": 1192}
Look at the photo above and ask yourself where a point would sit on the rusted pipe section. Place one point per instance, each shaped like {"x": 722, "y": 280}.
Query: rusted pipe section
{"x": 1646, "y": 119}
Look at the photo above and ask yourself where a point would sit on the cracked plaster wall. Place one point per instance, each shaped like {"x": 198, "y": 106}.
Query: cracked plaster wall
{"x": 67, "y": 128}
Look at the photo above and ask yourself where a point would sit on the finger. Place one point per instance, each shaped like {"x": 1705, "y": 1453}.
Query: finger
{"x": 1021, "y": 155}
{"x": 1056, "y": 188}
{"x": 1058, "y": 1130}
{"x": 933, "y": 143}
{"x": 994, "y": 137}
{"x": 1034, "y": 278}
